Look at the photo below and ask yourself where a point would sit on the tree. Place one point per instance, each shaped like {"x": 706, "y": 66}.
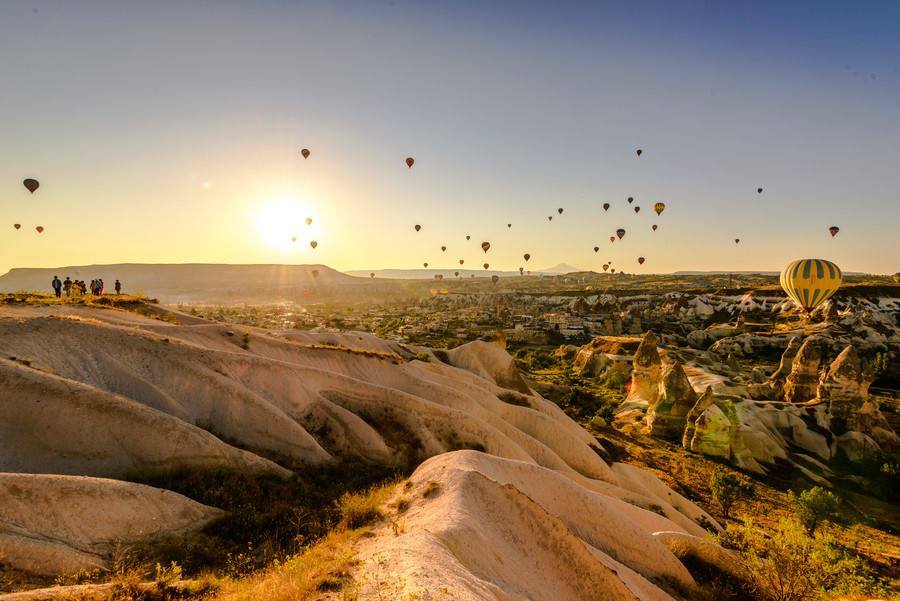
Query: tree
{"x": 814, "y": 505}
{"x": 727, "y": 489}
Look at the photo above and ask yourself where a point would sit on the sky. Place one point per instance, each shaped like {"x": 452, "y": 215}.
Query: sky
{"x": 169, "y": 132}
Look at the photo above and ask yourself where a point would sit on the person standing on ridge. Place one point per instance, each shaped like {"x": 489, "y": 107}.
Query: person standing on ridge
{"x": 100, "y": 287}
{"x": 118, "y": 287}
{"x": 57, "y": 286}
{"x": 67, "y": 287}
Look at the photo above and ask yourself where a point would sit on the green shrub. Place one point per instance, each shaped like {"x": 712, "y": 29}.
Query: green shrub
{"x": 814, "y": 505}
{"x": 727, "y": 489}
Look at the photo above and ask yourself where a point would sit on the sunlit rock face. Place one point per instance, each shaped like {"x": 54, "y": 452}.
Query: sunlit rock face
{"x": 667, "y": 417}
{"x": 645, "y": 374}
{"x": 856, "y": 420}
{"x": 802, "y": 383}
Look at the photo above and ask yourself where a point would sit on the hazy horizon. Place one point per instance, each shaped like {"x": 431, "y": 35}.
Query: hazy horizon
{"x": 170, "y": 133}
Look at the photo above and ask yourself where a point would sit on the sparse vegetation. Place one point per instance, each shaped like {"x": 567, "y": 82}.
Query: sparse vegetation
{"x": 727, "y": 489}
{"x": 813, "y": 506}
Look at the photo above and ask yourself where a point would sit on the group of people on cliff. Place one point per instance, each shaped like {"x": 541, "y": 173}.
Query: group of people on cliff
{"x": 71, "y": 287}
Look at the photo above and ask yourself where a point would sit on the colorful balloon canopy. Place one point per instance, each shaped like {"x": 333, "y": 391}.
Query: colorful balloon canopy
{"x": 425, "y": 265}
{"x": 596, "y": 248}
{"x": 372, "y": 275}
{"x": 641, "y": 260}
{"x": 620, "y": 233}
{"x": 508, "y": 225}
{"x": 653, "y": 227}
{"x": 293, "y": 238}
{"x": 612, "y": 238}
{"x": 443, "y": 249}
{"x": 549, "y": 217}
{"x": 810, "y": 282}
{"x": 605, "y": 206}
{"x": 31, "y": 184}
{"x": 468, "y": 237}
{"x": 606, "y": 267}
{"x": 833, "y": 230}
{"x": 40, "y": 229}
{"x": 521, "y": 270}
{"x": 737, "y": 240}
{"x": 410, "y": 161}
{"x": 309, "y": 221}
{"x": 18, "y": 226}
{"x": 305, "y": 153}
{"x": 486, "y": 265}
{"x": 313, "y": 243}
{"x": 461, "y": 261}
{"x": 526, "y": 256}
{"x": 485, "y": 246}
{"x": 659, "y": 207}
{"x": 417, "y": 227}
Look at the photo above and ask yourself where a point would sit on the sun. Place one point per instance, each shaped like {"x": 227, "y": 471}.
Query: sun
{"x": 283, "y": 224}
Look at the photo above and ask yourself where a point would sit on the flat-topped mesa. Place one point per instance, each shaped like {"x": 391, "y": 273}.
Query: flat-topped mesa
{"x": 645, "y": 374}
{"x": 803, "y": 381}
{"x": 667, "y": 417}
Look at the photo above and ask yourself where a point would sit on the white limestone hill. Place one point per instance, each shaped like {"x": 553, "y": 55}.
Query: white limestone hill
{"x": 111, "y": 394}
{"x": 489, "y": 528}
{"x": 62, "y": 524}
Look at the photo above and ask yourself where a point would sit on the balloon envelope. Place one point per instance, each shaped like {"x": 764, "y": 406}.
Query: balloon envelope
{"x": 559, "y": 210}
{"x": 810, "y": 282}
{"x": 313, "y": 243}
{"x": 495, "y": 279}
{"x": 637, "y": 209}
{"x": 605, "y": 206}
{"x": 40, "y": 229}
{"x": 17, "y": 225}
{"x": 418, "y": 227}
{"x": 833, "y": 230}
{"x": 305, "y": 153}
{"x": 639, "y": 152}
{"x": 443, "y": 249}
{"x": 526, "y": 256}
{"x": 410, "y": 161}
{"x": 641, "y": 260}
{"x": 659, "y": 207}
{"x": 309, "y": 221}
{"x": 31, "y": 184}
{"x": 653, "y": 227}
{"x": 620, "y": 233}
{"x": 596, "y": 248}
{"x": 630, "y": 199}
{"x": 485, "y": 246}
{"x": 486, "y": 265}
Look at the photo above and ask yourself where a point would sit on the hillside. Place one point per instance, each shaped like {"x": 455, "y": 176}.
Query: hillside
{"x": 188, "y": 281}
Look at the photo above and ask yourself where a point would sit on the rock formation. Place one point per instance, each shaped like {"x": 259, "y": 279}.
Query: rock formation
{"x": 784, "y": 367}
{"x": 667, "y": 417}
{"x": 645, "y": 374}
{"x": 802, "y": 383}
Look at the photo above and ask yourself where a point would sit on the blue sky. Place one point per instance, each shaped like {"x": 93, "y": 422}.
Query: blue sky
{"x": 163, "y": 131}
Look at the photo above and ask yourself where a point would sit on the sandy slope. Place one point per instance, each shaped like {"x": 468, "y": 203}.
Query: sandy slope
{"x": 108, "y": 393}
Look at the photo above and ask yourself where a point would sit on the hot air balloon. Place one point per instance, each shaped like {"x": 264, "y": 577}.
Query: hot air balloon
{"x": 549, "y": 217}
{"x": 443, "y": 249}
{"x": 810, "y": 282}
{"x": 612, "y": 238}
{"x": 314, "y": 244}
{"x": 641, "y": 260}
{"x": 737, "y": 240}
{"x": 468, "y": 237}
{"x": 508, "y": 225}
{"x": 637, "y": 209}
{"x": 659, "y": 207}
{"x": 620, "y": 233}
{"x": 31, "y": 184}
{"x": 559, "y": 210}
{"x": 759, "y": 190}
{"x": 293, "y": 238}
{"x": 426, "y": 265}
{"x": 495, "y": 279}
{"x": 461, "y": 261}
{"x": 309, "y": 221}
{"x": 653, "y": 227}
{"x": 605, "y": 206}
{"x": 526, "y": 256}
{"x": 305, "y": 153}
{"x": 372, "y": 275}
{"x": 639, "y": 152}
{"x": 418, "y": 227}
{"x": 486, "y": 265}
{"x": 17, "y": 226}
{"x": 833, "y": 230}
{"x": 410, "y": 161}
{"x": 606, "y": 267}
{"x": 456, "y": 273}
{"x": 596, "y": 248}
{"x": 40, "y": 229}
{"x": 521, "y": 270}
{"x": 612, "y": 270}
{"x": 485, "y": 246}
{"x": 315, "y": 273}
{"x": 630, "y": 199}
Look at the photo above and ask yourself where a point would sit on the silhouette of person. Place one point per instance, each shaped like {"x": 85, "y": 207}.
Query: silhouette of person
{"x": 67, "y": 286}
{"x": 57, "y": 286}
{"x": 118, "y": 287}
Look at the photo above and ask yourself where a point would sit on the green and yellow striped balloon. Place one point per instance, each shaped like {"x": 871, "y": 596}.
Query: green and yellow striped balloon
{"x": 810, "y": 282}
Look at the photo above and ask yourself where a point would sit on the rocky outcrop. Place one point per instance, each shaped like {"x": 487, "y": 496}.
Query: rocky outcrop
{"x": 855, "y": 416}
{"x": 802, "y": 383}
{"x": 701, "y": 405}
{"x": 645, "y": 373}
{"x": 667, "y": 417}
{"x": 778, "y": 378}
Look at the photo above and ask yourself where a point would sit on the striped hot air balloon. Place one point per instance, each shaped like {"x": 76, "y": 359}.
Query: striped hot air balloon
{"x": 810, "y": 282}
